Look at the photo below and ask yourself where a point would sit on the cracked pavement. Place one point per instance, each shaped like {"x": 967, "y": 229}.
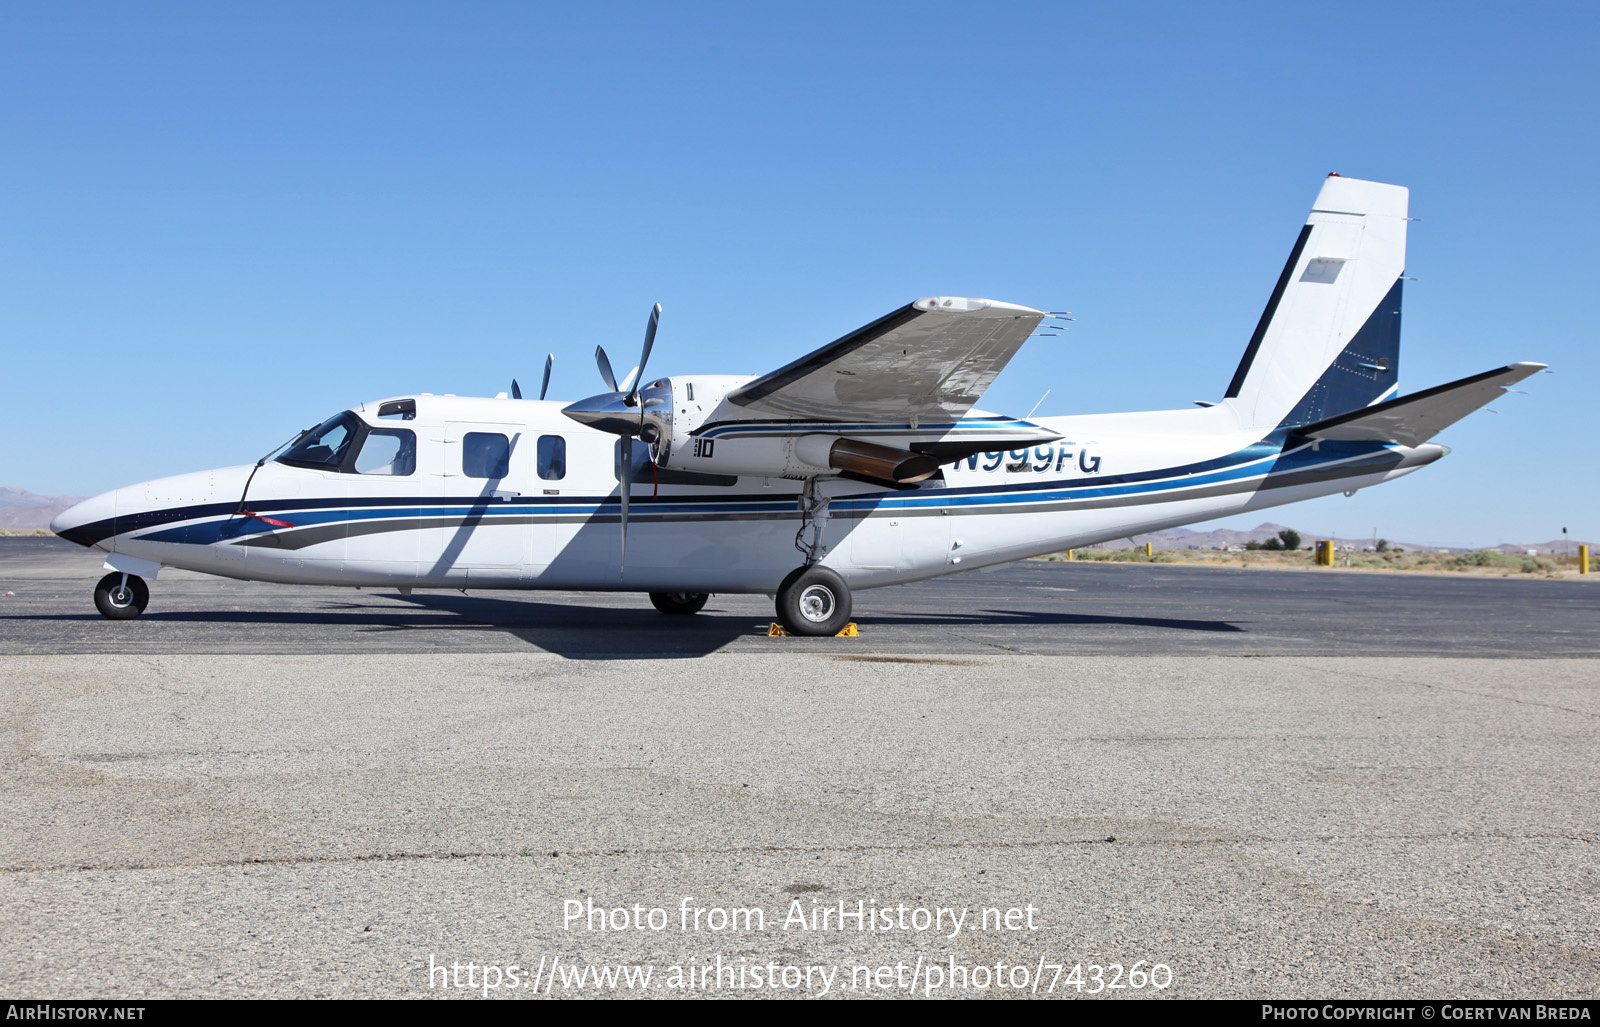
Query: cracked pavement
{"x": 322, "y": 825}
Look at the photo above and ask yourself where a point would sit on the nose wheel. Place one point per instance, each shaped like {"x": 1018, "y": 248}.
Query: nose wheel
{"x": 813, "y": 601}
{"x": 121, "y": 596}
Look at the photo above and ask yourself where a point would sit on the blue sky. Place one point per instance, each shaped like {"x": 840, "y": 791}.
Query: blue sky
{"x": 223, "y": 222}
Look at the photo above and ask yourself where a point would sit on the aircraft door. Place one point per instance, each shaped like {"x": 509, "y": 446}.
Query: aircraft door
{"x": 384, "y": 482}
{"x": 486, "y": 531}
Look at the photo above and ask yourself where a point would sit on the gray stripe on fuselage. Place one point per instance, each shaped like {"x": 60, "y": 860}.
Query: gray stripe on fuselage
{"x": 301, "y": 538}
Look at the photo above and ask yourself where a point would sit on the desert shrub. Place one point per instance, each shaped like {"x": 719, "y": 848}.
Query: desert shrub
{"x": 1116, "y": 556}
{"x": 1495, "y": 558}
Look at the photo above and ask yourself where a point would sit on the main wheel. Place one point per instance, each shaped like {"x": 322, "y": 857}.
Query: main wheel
{"x": 121, "y": 596}
{"x": 813, "y": 601}
{"x": 679, "y": 602}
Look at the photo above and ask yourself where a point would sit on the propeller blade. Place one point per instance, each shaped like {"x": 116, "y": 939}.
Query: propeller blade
{"x": 627, "y": 487}
{"x": 606, "y": 374}
{"x": 644, "y": 355}
{"x": 516, "y": 390}
{"x": 549, "y": 362}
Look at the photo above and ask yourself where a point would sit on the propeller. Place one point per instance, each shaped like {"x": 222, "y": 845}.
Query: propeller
{"x": 626, "y": 478}
{"x": 605, "y": 368}
{"x": 603, "y": 412}
{"x": 544, "y": 386}
{"x": 644, "y": 357}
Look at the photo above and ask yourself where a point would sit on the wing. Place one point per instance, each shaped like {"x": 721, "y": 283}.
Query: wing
{"x": 1413, "y": 420}
{"x": 928, "y": 361}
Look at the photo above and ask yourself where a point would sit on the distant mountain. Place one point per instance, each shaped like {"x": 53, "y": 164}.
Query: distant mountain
{"x": 1217, "y": 538}
{"x": 21, "y": 510}
{"x": 1555, "y": 547}
{"x": 1222, "y": 538}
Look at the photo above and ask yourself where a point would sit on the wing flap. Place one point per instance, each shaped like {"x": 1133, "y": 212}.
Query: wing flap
{"x": 931, "y": 359}
{"x": 1413, "y": 420}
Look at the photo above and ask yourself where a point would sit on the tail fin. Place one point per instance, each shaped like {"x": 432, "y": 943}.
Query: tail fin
{"x": 1329, "y": 340}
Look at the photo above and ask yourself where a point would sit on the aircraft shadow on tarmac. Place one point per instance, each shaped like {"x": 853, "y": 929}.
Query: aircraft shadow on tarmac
{"x": 571, "y": 630}
{"x": 1036, "y": 618}
{"x": 608, "y": 632}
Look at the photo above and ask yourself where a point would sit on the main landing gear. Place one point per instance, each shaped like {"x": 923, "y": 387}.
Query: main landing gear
{"x": 679, "y": 602}
{"x": 813, "y": 600}
{"x": 121, "y": 596}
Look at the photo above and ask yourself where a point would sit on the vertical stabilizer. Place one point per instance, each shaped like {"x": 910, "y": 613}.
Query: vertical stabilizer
{"x": 1329, "y": 340}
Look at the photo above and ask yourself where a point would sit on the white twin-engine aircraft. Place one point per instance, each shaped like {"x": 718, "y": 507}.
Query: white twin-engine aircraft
{"x": 861, "y": 464}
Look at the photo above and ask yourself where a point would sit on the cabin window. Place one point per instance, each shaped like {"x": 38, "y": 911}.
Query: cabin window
{"x": 401, "y": 409}
{"x": 326, "y": 446}
{"x": 552, "y": 457}
{"x": 387, "y": 451}
{"x": 485, "y": 455}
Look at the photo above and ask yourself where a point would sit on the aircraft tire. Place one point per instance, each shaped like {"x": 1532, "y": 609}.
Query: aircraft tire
{"x": 116, "y": 602}
{"x": 813, "y": 601}
{"x": 679, "y": 603}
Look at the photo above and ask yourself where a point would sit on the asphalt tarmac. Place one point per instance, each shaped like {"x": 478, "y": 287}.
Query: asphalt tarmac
{"x": 1268, "y": 783}
{"x": 1032, "y": 607}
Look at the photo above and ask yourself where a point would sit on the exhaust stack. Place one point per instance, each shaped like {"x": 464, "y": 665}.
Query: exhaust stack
{"x": 865, "y": 458}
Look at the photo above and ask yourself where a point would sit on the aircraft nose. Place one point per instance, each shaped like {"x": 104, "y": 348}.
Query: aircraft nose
{"x": 89, "y": 521}
{"x": 160, "y": 501}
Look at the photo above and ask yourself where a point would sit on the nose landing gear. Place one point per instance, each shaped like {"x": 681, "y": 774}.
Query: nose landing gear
{"x": 121, "y": 596}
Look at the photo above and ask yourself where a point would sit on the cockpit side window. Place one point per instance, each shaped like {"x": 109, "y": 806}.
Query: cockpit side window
{"x": 388, "y": 451}
{"x": 326, "y": 447}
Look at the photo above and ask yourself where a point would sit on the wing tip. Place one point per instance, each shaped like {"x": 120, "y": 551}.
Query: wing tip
{"x": 970, "y": 305}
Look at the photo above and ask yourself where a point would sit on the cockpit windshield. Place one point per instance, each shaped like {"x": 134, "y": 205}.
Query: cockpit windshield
{"x": 326, "y": 447}
{"x": 346, "y": 444}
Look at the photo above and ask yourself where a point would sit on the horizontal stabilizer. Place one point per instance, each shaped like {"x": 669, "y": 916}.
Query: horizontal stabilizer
{"x": 1413, "y": 420}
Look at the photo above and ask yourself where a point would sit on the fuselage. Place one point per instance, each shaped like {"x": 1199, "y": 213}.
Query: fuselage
{"x": 500, "y": 493}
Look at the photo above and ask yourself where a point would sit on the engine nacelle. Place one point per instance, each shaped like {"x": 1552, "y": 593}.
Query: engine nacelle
{"x": 676, "y": 410}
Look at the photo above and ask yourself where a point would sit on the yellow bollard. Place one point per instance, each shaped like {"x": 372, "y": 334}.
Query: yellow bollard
{"x": 1325, "y": 553}
{"x": 1583, "y": 559}
{"x": 1069, "y": 554}
{"x": 1148, "y": 551}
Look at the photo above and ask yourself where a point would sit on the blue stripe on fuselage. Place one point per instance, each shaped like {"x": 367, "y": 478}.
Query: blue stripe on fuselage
{"x": 1263, "y": 459}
